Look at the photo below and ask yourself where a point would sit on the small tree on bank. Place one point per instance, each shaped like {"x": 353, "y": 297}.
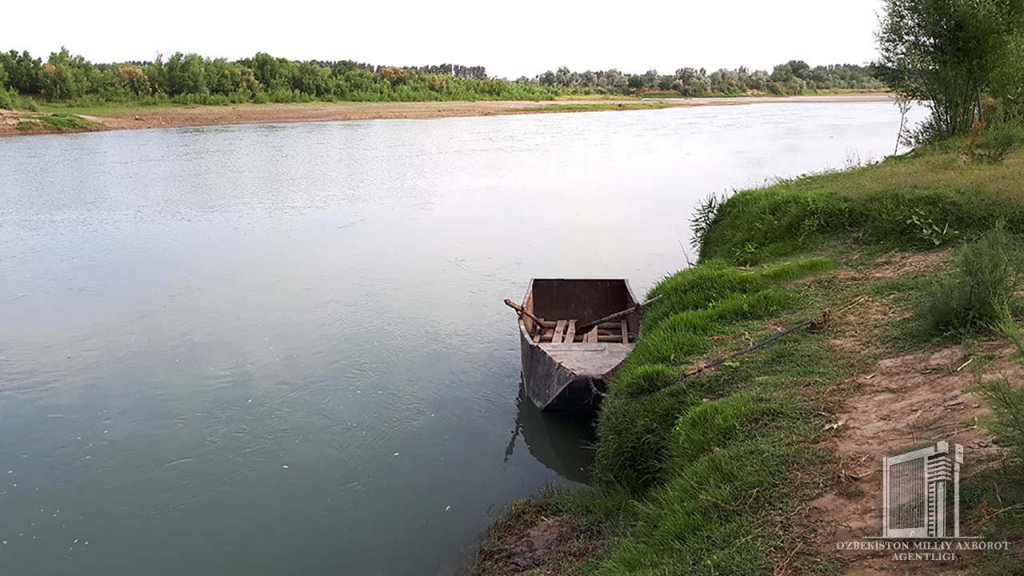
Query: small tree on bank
{"x": 945, "y": 52}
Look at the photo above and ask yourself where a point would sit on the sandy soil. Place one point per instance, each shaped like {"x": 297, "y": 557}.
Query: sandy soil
{"x": 901, "y": 400}
{"x": 152, "y": 117}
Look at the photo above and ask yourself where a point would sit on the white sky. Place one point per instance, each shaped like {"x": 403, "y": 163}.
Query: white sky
{"x": 509, "y": 38}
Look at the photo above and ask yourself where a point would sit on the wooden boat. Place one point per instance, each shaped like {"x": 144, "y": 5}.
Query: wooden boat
{"x": 566, "y": 361}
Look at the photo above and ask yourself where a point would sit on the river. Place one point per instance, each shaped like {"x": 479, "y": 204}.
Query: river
{"x": 282, "y": 349}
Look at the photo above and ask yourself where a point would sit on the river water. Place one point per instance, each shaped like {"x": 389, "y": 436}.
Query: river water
{"x": 282, "y": 349}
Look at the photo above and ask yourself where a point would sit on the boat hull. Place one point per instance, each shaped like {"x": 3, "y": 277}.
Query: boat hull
{"x": 569, "y": 376}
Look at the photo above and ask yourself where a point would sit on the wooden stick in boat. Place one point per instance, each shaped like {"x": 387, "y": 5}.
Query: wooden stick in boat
{"x": 522, "y": 311}
{"x": 617, "y": 315}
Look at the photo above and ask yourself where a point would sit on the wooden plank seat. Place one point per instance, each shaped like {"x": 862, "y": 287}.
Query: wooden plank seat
{"x": 559, "y": 332}
{"x": 564, "y": 332}
{"x": 570, "y": 332}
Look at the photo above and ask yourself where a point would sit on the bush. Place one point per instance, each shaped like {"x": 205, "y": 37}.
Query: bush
{"x": 981, "y": 287}
{"x": 997, "y": 141}
{"x": 1005, "y": 399}
{"x": 9, "y": 100}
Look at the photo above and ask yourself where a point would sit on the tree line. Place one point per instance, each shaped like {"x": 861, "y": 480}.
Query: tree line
{"x": 793, "y": 77}
{"x": 194, "y": 79}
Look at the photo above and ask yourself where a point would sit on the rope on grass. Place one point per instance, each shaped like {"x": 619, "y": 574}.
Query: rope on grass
{"x": 813, "y": 325}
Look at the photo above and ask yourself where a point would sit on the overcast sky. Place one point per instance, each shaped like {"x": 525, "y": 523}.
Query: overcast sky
{"x": 509, "y": 38}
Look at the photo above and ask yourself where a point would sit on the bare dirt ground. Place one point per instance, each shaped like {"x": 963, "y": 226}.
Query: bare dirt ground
{"x": 901, "y": 401}
{"x": 158, "y": 117}
{"x": 535, "y": 539}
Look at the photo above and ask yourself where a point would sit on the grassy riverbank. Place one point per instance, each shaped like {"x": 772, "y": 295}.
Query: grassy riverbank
{"x": 764, "y": 463}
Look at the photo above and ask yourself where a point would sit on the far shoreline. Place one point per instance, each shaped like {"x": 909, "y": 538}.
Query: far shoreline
{"x": 17, "y": 123}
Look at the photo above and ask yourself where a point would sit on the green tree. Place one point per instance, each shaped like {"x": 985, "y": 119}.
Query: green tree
{"x": 272, "y": 73}
{"x": 185, "y": 74}
{"x": 219, "y": 74}
{"x": 1008, "y": 78}
{"x": 313, "y": 79}
{"x": 22, "y": 71}
{"x": 67, "y": 76}
{"x": 132, "y": 79}
{"x": 782, "y": 73}
{"x": 690, "y": 82}
{"x": 6, "y": 98}
{"x": 790, "y": 71}
{"x": 945, "y": 53}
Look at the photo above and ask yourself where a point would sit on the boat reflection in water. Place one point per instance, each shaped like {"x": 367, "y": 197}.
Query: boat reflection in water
{"x": 563, "y": 441}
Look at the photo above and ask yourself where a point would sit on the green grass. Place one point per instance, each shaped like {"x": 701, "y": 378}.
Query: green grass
{"x": 725, "y": 478}
{"x": 709, "y": 460}
{"x": 579, "y": 539}
{"x": 67, "y": 122}
{"x": 924, "y": 199}
{"x": 54, "y": 122}
{"x": 101, "y": 109}
{"x": 596, "y": 97}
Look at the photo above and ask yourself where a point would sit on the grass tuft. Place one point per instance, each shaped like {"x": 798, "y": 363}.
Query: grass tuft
{"x": 976, "y": 293}
{"x": 66, "y": 122}
{"x": 714, "y": 424}
{"x": 60, "y": 122}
